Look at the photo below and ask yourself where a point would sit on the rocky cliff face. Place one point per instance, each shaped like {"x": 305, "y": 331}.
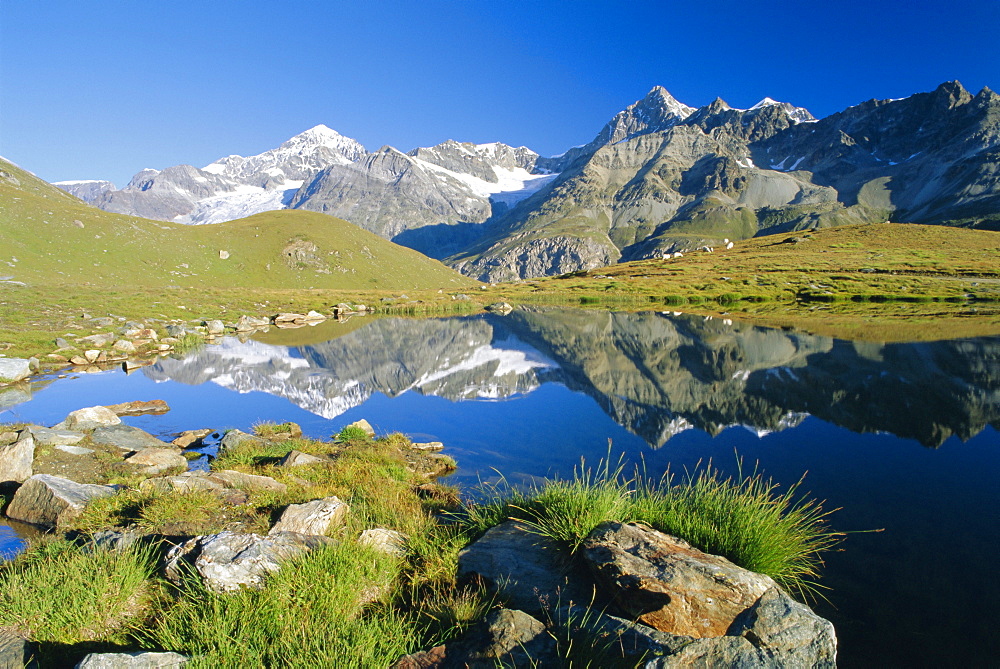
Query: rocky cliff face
{"x": 86, "y": 190}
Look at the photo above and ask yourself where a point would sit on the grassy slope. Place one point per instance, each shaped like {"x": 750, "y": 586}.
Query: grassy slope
{"x": 40, "y": 226}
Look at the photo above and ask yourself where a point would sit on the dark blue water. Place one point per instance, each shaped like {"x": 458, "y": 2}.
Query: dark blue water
{"x": 901, "y": 437}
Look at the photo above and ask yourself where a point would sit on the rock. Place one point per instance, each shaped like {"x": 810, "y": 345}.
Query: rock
{"x": 45, "y": 436}
{"x": 314, "y": 317}
{"x": 313, "y": 518}
{"x": 113, "y": 540}
{"x": 11, "y": 396}
{"x": 89, "y": 419}
{"x": 185, "y": 482}
{"x": 74, "y": 450}
{"x": 125, "y": 346}
{"x": 142, "y": 333}
{"x": 157, "y": 460}
{"x": 501, "y": 308}
{"x": 664, "y": 582}
{"x": 16, "y": 369}
{"x": 532, "y": 572}
{"x": 62, "y": 344}
{"x": 131, "y": 365}
{"x": 342, "y": 309}
{"x": 79, "y": 360}
{"x": 428, "y": 446}
{"x": 249, "y": 481}
{"x": 16, "y": 652}
{"x": 387, "y": 541}
{"x": 631, "y": 640}
{"x": 51, "y": 501}
{"x": 785, "y": 628}
{"x": 239, "y": 439}
{"x": 364, "y": 425}
{"x": 126, "y": 437}
{"x": 140, "y": 408}
{"x": 433, "y": 658}
{"x": 215, "y": 327}
{"x": 98, "y": 340}
{"x": 505, "y": 638}
{"x": 280, "y": 319}
{"x": 223, "y": 255}
{"x": 190, "y": 438}
{"x": 17, "y": 459}
{"x": 299, "y": 459}
{"x": 93, "y": 355}
{"x": 229, "y": 561}
{"x": 135, "y": 660}
{"x": 175, "y": 330}
{"x": 250, "y": 323}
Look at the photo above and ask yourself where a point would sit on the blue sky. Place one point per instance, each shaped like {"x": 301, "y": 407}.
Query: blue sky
{"x": 104, "y": 89}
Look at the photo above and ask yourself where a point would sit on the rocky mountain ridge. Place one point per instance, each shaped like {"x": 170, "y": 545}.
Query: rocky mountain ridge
{"x": 659, "y": 177}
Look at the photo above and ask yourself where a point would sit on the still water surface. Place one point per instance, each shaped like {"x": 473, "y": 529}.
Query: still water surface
{"x": 901, "y": 437}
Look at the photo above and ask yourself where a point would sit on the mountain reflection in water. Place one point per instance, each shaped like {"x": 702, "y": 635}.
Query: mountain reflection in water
{"x": 654, "y": 374}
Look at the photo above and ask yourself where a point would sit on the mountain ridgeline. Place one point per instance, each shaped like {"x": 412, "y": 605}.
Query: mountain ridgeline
{"x": 660, "y": 177}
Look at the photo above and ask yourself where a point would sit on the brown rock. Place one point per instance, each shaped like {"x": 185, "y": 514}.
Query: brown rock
{"x": 140, "y": 408}
{"x": 664, "y": 582}
{"x": 190, "y": 437}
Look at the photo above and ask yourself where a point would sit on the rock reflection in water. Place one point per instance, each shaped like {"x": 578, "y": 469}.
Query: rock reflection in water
{"x": 655, "y": 374}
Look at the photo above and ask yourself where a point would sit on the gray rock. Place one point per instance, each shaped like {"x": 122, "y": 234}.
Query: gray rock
{"x": 135, "y": 660}
{"x": 51, "y": 501}
{"x": 174, "y": 330}
{"x": 89, "y": 418}
{"x": 186, "y": 482}
{"x": 157, "y": 460}
{"x": 251, "y": 323}
{"x": 228, "y": 561}
{"x": 127, "y": 438}
{"x": 16, "y": 369}
{"x": 16, "y": 652}
{"x": 11, "y": 396}
{"x": 249, "y": 481}
{"x": 387, "y": 541}
{"x": 17, "y": 459}
{"x": 87, "y": 190}
{"x": 665, "y": 583}
{"x": 507, "y": 638}
{"x": 215, "y": 327}
{"x": 97, "y": 340}
{"x": 499, "y": 308}
{"x": 45, "y": 436}
{"x": 125, "y": 346}
{"x": 113, "y": 540}
{"x": 314, "y": 518}
{"x": 789, "y": 630}
{"x": 299, "y": 459}
{"x": 237, "y": 438}
{"x": 364, "y": 425}
{"x": 530, "y": 570}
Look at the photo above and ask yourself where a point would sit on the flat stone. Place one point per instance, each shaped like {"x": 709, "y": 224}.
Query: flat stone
{"x": 288, "y": 318}
{"x": 428, "y": 446}
{"x": 229, "y": 561}
{"x": 299, "y": 459}
{"x": 51, "y": 501}
{"x": 46, "y": 436}
{"x": 190, "y": 437}
{"x": 314, "y": 316}
{"x": 250, "y": 323}
{"x": 140, "y": 408}
{"x": 186, "y": 482}
{"x": 530, "y": 570}
{"x": 314, "y": 518}
{"x": 125, "y": 346}
{"x": 157, "y": 460}
{"x": 249, "y": 481}
{"x": 97, "y": 340}
{"x": 136, "y": 660}
{"x": 74, "y": 450}
{"x": 89, "y": 418}
{"x": 126, "y": 437}
{"x": 237, "y": 439}
{"x": 17, "y": 459}
{"x": 16, "y": 369}
{"x": 384, "y": 540}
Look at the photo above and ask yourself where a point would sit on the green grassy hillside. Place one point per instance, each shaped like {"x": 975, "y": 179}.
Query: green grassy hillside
{"x": 48, "y": 237}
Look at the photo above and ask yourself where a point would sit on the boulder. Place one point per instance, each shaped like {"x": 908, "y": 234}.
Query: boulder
{"x": 135, "y": 660}
{"x": 299, "y": 459}
{"x": 237, "y": 439}
{"x": 530, "y": 570}
{"x": 140, "y": 408}
{"x": 125, "y": 346}
{"x": 785, "y": 628}
{"x": 251, "y": 323}
{"x": 51, "y": 501}
{"x": 215, "y": 327}
{"x": 157, "y": 460}
{"x": 142, "y": 333}
{"x": 364, "y": 425}
{"x": 664, "y": 582}
{"x": 243, "y": 481}
{"x": 313, "y": 518}
{"x": 16, "y": 652}
{"x": 45, "y": 436}
{"x": 190, "y": 438}
{"x": 186, "y": 482}
{"x": 229, "y": 561}
{"x": 384, "y": 540}
{"x": 97, "y": 340}
{"x": 89, "y": 418}
{"x": 126, "y": 437}
{"x": 501, "y": 308}
{"x": 281, "y": 319}
{"x": 16, "y": 369}
{"x": 17, "y": 459}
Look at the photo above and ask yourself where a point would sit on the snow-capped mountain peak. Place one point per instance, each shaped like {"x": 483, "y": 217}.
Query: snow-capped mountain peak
{"x": 796, "y": 114}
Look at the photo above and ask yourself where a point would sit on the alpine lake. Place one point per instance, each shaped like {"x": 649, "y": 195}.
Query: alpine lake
{"x": 901, "y": 439}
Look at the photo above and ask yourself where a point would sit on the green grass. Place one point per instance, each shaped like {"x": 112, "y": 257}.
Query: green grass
{"x": 55, "y": 593}
{"x": 748, "y": 520}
